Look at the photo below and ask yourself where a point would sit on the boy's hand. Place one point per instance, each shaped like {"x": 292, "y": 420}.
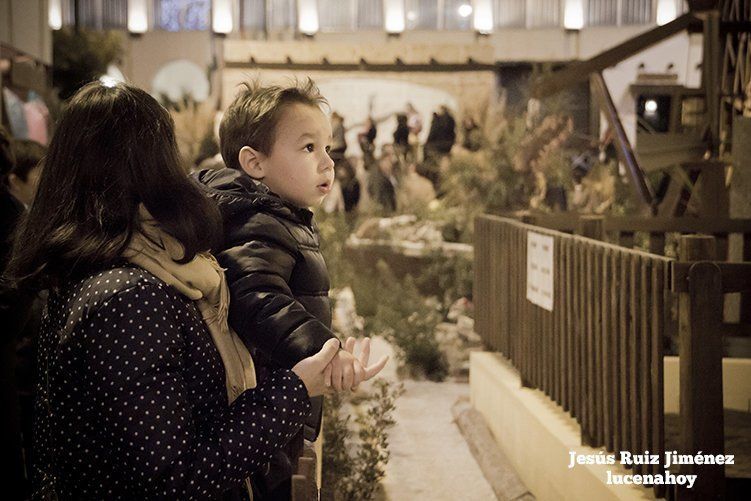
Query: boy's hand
{"x": 347, "y": 371}
{"x": 311, "y": 370}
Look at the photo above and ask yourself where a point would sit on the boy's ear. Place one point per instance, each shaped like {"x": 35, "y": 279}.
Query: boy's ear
{"x": 251, "y": 162}
{"x": 14, "y": 183}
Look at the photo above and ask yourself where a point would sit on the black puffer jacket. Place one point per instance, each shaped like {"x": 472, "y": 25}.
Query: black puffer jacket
{"x": 276, "y": 274}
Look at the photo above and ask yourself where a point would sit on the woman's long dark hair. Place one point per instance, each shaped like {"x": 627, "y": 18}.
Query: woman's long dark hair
{"x": 114, "y": 148}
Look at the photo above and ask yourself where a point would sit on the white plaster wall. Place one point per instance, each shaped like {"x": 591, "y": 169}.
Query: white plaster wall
{"x": 736, "y": 384}
{"x": 536, "y": 435}
{"x": 682, "y": 50}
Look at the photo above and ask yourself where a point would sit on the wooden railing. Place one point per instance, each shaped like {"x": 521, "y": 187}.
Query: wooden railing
{"x": 700, "y": 283}
{"x": 654, "y": 233}
{"x": 305, "y": 481}
{"x": 599, "y": 352}
{"x": 623, "y": 229}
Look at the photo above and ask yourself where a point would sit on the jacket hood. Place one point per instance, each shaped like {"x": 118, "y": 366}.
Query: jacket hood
{"x": 236, "y": 191}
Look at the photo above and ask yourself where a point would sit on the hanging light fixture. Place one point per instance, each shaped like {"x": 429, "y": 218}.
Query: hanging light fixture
{"x": 666, "y": 11}
{"x": 138, "y": 16}
{"x": 482, "y": 20}
{"x": 307, "y": 15}
{"x": 55, "y": 14}
{"x": 465, "y": 10}
{"x": 573, "y": 15}
{"x": 221, "y": 16}
{"x": 393, "y": 15}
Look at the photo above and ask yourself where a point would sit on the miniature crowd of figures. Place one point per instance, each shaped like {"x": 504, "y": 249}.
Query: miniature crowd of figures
{"x": 406, "y": 173}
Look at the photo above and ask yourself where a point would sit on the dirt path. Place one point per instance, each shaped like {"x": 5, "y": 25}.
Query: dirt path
{"x": 430, "y": 459}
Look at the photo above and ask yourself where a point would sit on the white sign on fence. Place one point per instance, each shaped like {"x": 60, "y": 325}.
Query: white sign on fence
{"x": 540, "y": 270}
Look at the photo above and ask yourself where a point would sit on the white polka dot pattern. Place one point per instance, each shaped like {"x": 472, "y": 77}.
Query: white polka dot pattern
{"x": 132, "y": 399}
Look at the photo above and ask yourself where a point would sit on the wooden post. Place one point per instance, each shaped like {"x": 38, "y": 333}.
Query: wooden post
{"x": 722, "y": 246}
{"x": 303, "y": 482}
{"x": 657, "y": 445}
{"x": 527, "y": 218}
{"x": 590, "y": 227}
{"x": 700, "y": 319}
{"x": 624, "y": 150}
{"x": 626, "y": 239}
{"x": 746, "y": 296}
{"x": 657, "y": 243}
{"x": 711, "y": 76}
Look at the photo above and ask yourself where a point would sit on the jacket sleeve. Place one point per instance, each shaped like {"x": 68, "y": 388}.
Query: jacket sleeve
{"x": 263, "y": 311}
{"x": 142, "y": 394}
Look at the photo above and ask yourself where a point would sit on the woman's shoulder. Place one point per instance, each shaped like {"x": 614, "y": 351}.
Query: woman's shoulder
{"x": 118, "y": 279}
{"x": 98, "y": 290}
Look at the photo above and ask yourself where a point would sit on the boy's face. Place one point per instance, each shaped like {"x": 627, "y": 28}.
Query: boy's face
{"x": 299, "y": 168}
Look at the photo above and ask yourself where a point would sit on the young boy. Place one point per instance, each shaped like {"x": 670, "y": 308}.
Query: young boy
{"x": 275, "y": 142}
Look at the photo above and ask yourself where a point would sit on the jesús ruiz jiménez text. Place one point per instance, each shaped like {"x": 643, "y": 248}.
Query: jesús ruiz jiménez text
{"x": 669, "y": 458}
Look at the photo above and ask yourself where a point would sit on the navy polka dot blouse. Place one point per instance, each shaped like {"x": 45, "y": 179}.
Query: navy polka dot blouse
{"x": 132, "y": 401}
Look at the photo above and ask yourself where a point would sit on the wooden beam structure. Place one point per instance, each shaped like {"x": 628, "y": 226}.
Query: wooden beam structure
{"x": 624, "y": 150}
{"x": 363, "y": 65}
{"x": 579, "y": 71}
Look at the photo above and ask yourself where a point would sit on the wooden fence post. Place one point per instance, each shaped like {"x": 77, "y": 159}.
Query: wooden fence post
{"x": 657, "y": 243}
{"x": 590, "y": 227}
{"x": 701, "y": 406}
{"x": 527, "y": 218}
{"x": 304, "y": 482}
{"x": 746, "y": 296}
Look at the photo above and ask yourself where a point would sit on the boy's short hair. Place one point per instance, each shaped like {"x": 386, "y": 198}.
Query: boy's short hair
{"x": 252, "y": 118}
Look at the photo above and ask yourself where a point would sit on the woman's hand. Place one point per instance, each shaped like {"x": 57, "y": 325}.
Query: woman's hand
{"x": 346, "y": 371}
{"x": 310, "y": 369}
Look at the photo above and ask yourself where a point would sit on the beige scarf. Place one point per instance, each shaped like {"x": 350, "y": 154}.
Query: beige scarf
{"x": 202, "y": 280}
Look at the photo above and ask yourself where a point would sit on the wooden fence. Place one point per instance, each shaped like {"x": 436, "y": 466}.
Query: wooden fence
{"x": 653, "y": 233}
{"x": 599, "y": 351}
{"x": 305, "y": 484}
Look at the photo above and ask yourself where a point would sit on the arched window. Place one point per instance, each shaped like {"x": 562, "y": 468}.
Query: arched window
{"x": 282, "y": 15}
{"x": 253, "y": 15}
{"x": 95, "y": 14}
{"x": 182, "y": 15}
{"x": 510, "y": 13}
{"x": 637, "y": 12}
{"x": 602, "y": 12}
{"x": 370, "y": 14}
{"x": 457, "y": 14}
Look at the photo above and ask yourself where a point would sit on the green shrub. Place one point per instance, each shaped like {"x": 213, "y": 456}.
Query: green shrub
{"x": 353, "y": 468}
{"x": 455, "y": 277}
{"x": 408, "y": 321}
{"x": 395, "y": 308}
{"x": 334, "y": 230}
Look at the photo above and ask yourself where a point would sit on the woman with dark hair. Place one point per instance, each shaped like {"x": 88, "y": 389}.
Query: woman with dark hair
{"x": 143, "y": 392}
{"x": 13, "y": 313}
